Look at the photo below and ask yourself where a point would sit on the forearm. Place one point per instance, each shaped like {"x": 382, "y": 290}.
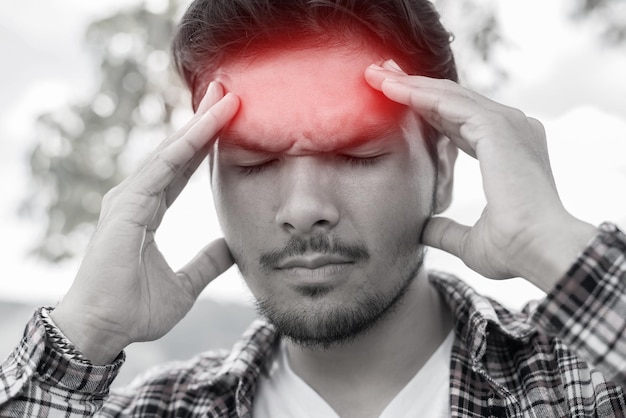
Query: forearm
{"x": 586, "y": 307}
{"x": 37, "y": 380}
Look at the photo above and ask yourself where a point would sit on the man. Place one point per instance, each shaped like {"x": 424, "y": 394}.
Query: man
{"x": 329, "y": 164}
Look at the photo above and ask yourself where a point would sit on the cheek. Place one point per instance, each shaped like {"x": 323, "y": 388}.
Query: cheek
{"x": 405, "y": 203}
{"x": 391, "y": 205}
{"x": 403, "y": 206}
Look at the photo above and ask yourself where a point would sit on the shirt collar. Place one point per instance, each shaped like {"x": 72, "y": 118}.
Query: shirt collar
{"x": 475, "y": 318}
{"x": 476, "y": 315}
{"x": 246, "y": 359}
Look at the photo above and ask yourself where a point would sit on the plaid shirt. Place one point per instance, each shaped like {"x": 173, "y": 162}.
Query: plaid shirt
{"x": 565, "y": 356}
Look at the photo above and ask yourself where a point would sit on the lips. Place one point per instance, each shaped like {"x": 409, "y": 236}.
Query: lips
{"x": 312, "y": 262}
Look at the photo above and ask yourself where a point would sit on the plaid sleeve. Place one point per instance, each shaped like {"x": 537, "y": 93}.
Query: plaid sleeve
{"x": 587, "y": 308}
{"x": 38, "y": 381}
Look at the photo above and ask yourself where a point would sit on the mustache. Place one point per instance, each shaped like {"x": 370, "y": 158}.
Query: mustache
{"x": 321, "y": 244}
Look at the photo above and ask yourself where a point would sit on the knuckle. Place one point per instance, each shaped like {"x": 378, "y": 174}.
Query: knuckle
{"x": 447, "y": 83}
{"x": 537, "y": 126}
{"x": 211, "y": 116}
{"x": 435, "y": 111}
{"x": 508, "y": 117}
{"x": 516, "y": 114}
{"x": 160, "y": 159}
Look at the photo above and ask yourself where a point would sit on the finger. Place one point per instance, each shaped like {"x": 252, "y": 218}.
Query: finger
{"x": 213, "y": 260}
{"x": 212, "y": 96}
{"x": 183, "y": 177}
{"x": 427, "y": 101}
{"x": 214, "y": 93}
{"x": 425, "y": 96}
{"x": 163, "y": 169}
{"x": 390, "y": 71}
{"x": 146, "y": 196}
{"x": 375, "y": 75}
{"x": 446, "y": 111}
{"x": 445, "y": 234}
{"x": 393, "y": 66}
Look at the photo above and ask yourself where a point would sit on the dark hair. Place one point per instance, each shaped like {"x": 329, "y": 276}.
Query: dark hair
{"x": 212, "y": 30}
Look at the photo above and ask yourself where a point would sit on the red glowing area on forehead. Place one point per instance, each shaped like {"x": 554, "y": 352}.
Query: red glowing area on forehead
{"x": 309, "y": 99}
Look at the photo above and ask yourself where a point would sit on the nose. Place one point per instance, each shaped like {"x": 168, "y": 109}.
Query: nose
{"x": 307, "y": 198}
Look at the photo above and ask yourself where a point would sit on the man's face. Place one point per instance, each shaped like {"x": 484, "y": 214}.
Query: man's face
{"x": 322, "y": 187}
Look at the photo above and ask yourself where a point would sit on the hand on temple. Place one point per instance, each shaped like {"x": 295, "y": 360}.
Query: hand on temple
{"x": 524, "y": 230}
{"x": 125, "y": 291}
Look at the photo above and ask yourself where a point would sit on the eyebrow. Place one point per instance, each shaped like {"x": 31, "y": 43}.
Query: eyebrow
{"x": 369, "y": 132}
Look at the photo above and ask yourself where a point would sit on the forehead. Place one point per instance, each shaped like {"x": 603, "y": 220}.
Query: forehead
{"x": 307, "y": 98}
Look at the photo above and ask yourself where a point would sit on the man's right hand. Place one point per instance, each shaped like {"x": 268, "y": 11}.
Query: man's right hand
{"x": 125, "y": 291}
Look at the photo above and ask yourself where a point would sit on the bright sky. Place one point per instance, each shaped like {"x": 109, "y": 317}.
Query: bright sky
{"x": 560, "y": 74}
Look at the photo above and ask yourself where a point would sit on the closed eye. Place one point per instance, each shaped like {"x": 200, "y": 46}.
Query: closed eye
{"x": 363, "y": 161}
{"x": 352, "y": 160}
{"x": 248, "y": 170}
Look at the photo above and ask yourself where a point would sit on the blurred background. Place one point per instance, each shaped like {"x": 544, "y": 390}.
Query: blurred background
{"x": 87, "y": 90}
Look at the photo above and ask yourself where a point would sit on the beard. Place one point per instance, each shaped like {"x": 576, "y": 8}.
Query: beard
{"x": 329, "y": 325}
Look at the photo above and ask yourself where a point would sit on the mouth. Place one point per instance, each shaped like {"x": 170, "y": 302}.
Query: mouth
{"x": 314, "y": 261}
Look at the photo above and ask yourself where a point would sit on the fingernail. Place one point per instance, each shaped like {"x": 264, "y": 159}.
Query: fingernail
{"x": 394, "y": 65}
{"x": 376, "y": 67}
{"x": 209, "y": 91}
{"x": 211, "y": 88}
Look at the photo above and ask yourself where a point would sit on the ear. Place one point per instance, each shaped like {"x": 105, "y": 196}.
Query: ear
{"x": 446, "y": 157}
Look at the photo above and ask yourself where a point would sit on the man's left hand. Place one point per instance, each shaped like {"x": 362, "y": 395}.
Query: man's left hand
{"x": 524, "y": 231}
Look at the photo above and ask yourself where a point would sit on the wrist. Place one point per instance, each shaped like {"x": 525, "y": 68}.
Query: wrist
{"x": 552, "y": 253}
{"x": 84, "y": 340}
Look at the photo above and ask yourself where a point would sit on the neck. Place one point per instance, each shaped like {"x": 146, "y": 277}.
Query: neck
{"x": 367, "y": 373}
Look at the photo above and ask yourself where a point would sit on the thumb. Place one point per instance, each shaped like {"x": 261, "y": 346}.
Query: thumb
{"x": 209, "y": 263}
{"x": 445, "y": 234}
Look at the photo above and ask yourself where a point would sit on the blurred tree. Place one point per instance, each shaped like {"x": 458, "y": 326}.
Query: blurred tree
{"x": 87, "y": 148}
{"x": 609, "y": 15}
{"x": 478, "y": 36}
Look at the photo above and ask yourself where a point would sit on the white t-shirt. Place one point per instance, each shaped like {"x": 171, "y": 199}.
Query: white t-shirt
{"x": 283, "y": 394}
